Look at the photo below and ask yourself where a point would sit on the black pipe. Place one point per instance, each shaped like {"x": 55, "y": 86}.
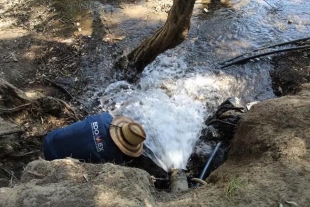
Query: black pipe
{"x": 203, "y": 173}
{"x": 264, "y": 54}
{"x": 266, "y": 47}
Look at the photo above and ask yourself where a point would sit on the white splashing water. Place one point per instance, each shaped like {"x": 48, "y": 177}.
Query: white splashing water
{"x": 173, "y": 98}
{"x": 171, "y": 103}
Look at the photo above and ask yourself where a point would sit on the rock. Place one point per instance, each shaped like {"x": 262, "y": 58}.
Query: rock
{"x": 68, "y": 182}
{"x": 221, "y": 126}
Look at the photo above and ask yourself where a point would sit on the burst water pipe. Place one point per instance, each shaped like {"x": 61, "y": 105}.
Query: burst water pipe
{"x": 178, "y": 181}
{"x": 205, "y": 169}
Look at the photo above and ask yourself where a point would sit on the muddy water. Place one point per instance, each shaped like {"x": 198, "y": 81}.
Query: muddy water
{"x": 185, "y": 85}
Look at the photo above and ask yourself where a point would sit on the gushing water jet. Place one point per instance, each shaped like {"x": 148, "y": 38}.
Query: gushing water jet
{"x": 172, "y": 106}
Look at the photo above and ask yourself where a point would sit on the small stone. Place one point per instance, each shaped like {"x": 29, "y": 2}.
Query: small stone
{"x": 280, "y": 89}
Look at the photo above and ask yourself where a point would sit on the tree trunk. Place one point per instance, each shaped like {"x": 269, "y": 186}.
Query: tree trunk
{"x": 170, "y": 35}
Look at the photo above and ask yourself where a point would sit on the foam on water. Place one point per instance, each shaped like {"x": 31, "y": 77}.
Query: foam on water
{"x": 171, "y": 104}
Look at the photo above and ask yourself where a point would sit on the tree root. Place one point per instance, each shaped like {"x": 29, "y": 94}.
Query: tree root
{"x": 15, "y": 109}
{"x": 10, "y": 131}
{"x": 69, "y": 108}
{"x": 60, "y": 87}
{"x": 10, "y": 96}
{"x": 200, "y": 181}
{"x": 8, "y": 91}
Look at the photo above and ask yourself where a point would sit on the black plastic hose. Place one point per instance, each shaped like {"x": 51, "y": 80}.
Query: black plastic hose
{"x": 266, "y": 47}
{"x": 205, "y": 169}
{"x": 264, "y": 54}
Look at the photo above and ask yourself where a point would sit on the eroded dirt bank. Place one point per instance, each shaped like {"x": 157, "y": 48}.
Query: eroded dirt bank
{"x": 269, "y": 161}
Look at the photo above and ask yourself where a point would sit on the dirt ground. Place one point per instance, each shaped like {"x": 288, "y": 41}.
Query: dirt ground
{"x": 44, "y": 44}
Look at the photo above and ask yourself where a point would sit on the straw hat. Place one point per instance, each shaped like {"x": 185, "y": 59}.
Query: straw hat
{"x": 127, "y": 135}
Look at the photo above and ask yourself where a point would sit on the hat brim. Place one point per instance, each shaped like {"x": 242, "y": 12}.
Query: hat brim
{"x": 119, "y": 140}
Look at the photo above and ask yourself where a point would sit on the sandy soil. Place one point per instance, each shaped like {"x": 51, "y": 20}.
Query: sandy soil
{"x": 268, "y": 164}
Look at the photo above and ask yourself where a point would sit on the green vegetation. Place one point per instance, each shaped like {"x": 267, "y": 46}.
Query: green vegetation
{"x": 234, "y": 186}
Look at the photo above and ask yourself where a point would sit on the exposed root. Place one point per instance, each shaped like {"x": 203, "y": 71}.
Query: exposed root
{"x": 11, "y": 95}
{"x": 60, "y": 87}
{"x": 200, "y": 181}
{"x": 25, "y": 154}
{"x": 15, "y": 109}
{"x": 10, "y": 131}
{"x": 69, "y": 108}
